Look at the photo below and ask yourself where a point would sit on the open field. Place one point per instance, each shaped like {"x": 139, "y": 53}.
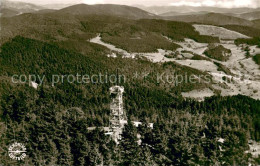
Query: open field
{"x": 220, "y": 32}
{"x": 245, "y": 78}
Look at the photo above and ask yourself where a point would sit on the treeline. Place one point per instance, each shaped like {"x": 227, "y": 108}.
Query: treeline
{"x": 246, "y": 30}
{"x": 252, "y": 41}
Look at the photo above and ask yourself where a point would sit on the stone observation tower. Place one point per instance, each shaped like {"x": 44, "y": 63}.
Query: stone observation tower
{"x": 117, "y": 115}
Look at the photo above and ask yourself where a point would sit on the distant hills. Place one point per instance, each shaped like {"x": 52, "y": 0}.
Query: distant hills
{"x": 173, "y": 13}
{"x": 8, "y": 12}
{"x": 107, "y": 9}
{"x": 10, "y": 8}
{"x": 20, "y": 7}
{"x": 167, "y": 11}
{"x": 251, "y": 16}
{"x": 201, "y": 15}
{"x": 211, "y": 18}
{"x": 247, "y": 16}
{"x": 159, "y": 10}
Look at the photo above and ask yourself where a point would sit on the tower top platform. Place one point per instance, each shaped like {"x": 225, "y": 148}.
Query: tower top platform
{"x": 116, "y": 89}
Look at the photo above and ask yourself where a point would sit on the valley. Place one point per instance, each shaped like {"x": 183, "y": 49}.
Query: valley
{"x": 191, "y": 72}
{"x": 244, "y": 76}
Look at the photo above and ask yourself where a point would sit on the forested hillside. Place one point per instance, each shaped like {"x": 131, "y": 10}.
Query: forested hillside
{"x": 131, "y": 35}
{"x": 52, "y": 121}
{"x": 246, "y": 30}
{"x": 251, "y": 41}
{"x": 212, "y": 18}
{"x": 108, "y": 10}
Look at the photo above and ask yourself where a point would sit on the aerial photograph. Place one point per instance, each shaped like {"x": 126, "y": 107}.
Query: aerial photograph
{"x": 129, "y": 82}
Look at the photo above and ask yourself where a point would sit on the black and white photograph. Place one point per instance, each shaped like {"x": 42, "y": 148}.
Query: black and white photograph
{"x": 129, "y": 82}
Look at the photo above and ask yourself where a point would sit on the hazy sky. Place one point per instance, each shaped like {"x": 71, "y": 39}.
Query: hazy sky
{"x": 218, "y": 3}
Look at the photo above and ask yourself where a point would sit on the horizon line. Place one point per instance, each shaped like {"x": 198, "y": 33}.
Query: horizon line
{"x": 133, "y": 5}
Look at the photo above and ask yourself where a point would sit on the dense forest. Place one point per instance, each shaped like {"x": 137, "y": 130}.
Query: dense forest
{"x": 246, "y": 30}
{"x": 218, "y": 52}
{"x": 250, "y": 41}
{"x": 146, "y": 35}
{"x": 52, "y": 120}
{"x": 256, "y": 58}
